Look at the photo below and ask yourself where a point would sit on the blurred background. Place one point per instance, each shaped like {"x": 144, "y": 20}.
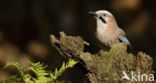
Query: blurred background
{"x": 25, "y": 26}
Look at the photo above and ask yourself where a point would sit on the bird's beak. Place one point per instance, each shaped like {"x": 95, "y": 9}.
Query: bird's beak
{"x": 93, "y": 13}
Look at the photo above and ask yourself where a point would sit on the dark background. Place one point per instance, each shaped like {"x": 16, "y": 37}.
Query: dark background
{"x": 25, "y": 26}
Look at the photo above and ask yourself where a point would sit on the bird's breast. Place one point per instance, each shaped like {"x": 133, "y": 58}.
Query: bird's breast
{"x": 106, "y": 37}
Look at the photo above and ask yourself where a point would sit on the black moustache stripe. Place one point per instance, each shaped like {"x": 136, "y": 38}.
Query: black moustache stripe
{"x": 103, "y": 20}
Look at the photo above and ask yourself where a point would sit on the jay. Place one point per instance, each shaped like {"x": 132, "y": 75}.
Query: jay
{"x": 108, "y": 32}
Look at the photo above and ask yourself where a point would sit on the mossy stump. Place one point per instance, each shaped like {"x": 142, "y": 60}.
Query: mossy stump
{"x": 104, "y": 66}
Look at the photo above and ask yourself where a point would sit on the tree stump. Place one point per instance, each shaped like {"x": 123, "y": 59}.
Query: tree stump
{"x": 104, "y": 66}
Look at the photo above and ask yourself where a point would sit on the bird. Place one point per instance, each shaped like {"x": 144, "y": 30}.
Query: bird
{"x": 108, "y": 32}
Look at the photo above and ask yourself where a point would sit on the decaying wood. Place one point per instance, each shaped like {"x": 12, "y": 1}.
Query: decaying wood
{"x": 104, "y": 66}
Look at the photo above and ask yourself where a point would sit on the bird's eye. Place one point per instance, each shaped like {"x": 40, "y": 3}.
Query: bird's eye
{"x": 104, "y": 14}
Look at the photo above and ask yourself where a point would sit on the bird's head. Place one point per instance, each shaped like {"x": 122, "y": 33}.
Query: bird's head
{"x": 103, "y": 17}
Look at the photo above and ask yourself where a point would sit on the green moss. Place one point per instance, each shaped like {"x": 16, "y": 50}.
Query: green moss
{"x": 109, "y": 65}
{"x": 104, "y": 66}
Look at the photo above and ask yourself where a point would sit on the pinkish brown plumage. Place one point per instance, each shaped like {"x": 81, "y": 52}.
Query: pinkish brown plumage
{"x": 108, "y": 31}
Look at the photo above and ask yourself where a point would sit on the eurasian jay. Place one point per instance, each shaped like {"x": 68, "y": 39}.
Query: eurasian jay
{"x": 108, "y": 32}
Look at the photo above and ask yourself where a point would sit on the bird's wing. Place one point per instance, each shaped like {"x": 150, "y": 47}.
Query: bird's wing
{"x": 124, "y": 39}
{"x": 121, "y": 32}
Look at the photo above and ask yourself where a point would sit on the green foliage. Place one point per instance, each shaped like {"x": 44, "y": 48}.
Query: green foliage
{"x": 12, "y": 79}
{"x": 17, "y": 65}
{"x": 42, "y": 75}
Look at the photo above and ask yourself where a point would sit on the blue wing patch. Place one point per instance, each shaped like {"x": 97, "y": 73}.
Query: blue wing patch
{"x": 123, "y": 39}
